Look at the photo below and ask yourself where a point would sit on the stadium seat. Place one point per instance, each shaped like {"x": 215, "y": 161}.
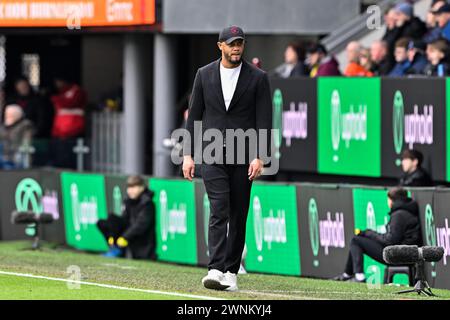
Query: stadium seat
{"x": 391, "y": 271}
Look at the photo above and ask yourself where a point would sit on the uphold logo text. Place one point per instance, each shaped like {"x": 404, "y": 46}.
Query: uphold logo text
{"x": 332, "y": 233}
{"x": 172, "y": 221}
{"x": 350, "y": 126}
{"x": 271, "y": 229}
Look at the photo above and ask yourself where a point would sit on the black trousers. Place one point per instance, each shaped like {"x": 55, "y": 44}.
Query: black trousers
{"x": 113, "y": 226}
{"x": 359, "y": 246}
{"x": 228, "y": 189}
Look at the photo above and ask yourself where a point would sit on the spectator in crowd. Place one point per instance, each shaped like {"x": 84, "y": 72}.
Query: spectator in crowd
{"x": 365, "y": 59}
{"x": 293, "y": 65}
{"x": 410, "y": 26}
{"x": 401, "y": 57}
{"x": 413, "y": 173}
{"x": 442, "y": 16}
{"x": 15, "y": 132}
{"x": 392, "y": 32}
{"x": 354, "y": 69}
{"x": 416, "y": 57}
{"x": 135, "y": 229}
{"x": 382, "y": 61}
{"x": 434, "y": 31}
{"x": 37, "y": 109}
{"x": 437, "y": 54}
{"x": 401, "y": 23}
{"x": 403, "y": 228}
{"x": 320, "y": 63}
{"x": 69, "y": 122}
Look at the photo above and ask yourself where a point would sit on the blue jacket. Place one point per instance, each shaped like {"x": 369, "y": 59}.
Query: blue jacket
{"x": 400, "y": 69}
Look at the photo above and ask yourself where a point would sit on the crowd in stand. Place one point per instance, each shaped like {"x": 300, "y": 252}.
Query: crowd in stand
{"x": 47, "y": 123}
{"x": 409, "y": 47}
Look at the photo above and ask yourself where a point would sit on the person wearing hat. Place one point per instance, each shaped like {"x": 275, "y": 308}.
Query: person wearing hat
{"x": 320, "y": 63}
{"x": 416, "y": 57}
{"x": 229, "y": 95}
{"x": 410, "y": 25}
{"x": 413, "y": 173}
{"x": 293, "y": 65}
{"x": 442, "y": 16}
{"x": 135, "y": 229}
{"x": 434, "y": 31}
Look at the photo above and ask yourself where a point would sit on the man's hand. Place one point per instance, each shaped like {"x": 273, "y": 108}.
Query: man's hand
{"x": 122, "y": 242}
{"x": 255, "y": 169}
{"x": 188, "y": 168}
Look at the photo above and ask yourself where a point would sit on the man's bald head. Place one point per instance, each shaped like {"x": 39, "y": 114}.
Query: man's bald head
{"x": 13, "y": 113}
{"x": 353, "y": 49}
{"x": 378, "y": 50}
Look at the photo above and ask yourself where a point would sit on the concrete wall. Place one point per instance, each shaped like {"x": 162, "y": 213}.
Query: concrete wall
{"x": 258, "y": 16}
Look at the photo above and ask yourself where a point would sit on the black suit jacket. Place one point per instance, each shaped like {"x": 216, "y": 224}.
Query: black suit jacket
{"x": 250, "y": 107}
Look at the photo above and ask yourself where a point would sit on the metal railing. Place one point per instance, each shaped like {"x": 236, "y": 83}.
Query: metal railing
{"x": 106, "y": 141}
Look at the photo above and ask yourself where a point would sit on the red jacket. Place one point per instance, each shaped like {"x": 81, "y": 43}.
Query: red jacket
{"x": 70, "y": 105}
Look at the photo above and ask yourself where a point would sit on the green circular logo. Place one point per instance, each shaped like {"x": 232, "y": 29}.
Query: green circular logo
{"x": 117, "y": 200}
{"x": 398, "y": 115}
{"x": 28, "y": 196}
{"x": 430, "y": 229}
{"x": 277, "y": 120}
{"x": 314, "y": 226}
{"x": 335, "y": 120}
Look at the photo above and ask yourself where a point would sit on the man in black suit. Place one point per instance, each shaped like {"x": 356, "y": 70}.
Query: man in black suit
{"x": 229, "y": 96}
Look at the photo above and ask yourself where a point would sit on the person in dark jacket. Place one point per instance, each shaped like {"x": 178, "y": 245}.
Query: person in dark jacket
{"x": 382, "y": 60}
{"x": 406, "y": 25}
{"x": 135, "y": 230}
{"x": 413, "y": 173}
{"x": 293, "y": 65}
{"x": 403, "y": 228}
{"x": 36, "y": 108}
{"x": 320, "y": 63}
{"x": 416, "y": 57}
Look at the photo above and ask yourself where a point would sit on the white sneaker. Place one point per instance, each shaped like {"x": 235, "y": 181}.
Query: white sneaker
{"x": 230, "y": 280}
{"x": 214, "y": 280}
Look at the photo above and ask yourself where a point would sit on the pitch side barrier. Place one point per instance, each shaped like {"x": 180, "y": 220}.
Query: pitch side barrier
{"x": 360, "y": 126}
{"x": 296, "y": 229}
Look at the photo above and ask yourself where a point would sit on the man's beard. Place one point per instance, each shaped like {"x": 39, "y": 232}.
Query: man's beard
{"x": 234, "y": 62}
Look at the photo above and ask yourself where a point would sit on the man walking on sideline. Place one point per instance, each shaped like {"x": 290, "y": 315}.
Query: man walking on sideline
{"x": 229, "y": 93}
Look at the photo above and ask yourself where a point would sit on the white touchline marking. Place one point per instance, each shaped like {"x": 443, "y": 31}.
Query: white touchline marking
{"x": 27, "y": 275}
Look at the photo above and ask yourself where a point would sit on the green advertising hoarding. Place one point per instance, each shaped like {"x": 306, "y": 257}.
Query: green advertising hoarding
{"x": 349, "y": 126}
{"x": 372, "y": 212}
{"x": 175, "y": 220}
{"x": 84, "y": 204}
{"x": 272, "y": 230}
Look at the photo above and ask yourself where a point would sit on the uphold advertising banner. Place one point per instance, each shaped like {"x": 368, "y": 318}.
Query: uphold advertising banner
{"x": 22, "y": 192}
{"x": 272, "y": 230}
{"x": 437, "y": 227}
{"x": 202, "y": 222}
{"x": 175, "y": 220}
{"x": 349, "y": 129}
{"x": 116, "y": 192}
{"x": 413, "y": 117}
{"x": 295, "y": 114}
{"x": 84, "y": 204}
{"x": 425, "y": 200}
{"x": 326, "y": 228}
{"x": 372, "y": 212}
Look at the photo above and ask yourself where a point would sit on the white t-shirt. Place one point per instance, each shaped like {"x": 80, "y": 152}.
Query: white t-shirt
{"x": 229, "y": 78}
